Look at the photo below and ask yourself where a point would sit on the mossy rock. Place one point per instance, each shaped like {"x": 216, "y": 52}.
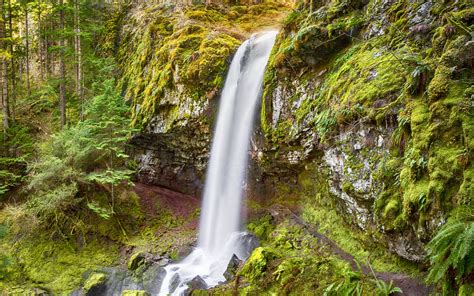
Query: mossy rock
{"x": 135, "y": 293}
{"x": 94, "y": 284}
{"x": 256, "y": 265}
{"x": 136, "y": 260}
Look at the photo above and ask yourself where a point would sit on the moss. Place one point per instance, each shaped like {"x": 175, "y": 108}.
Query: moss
{"x": 94, "y": 280}
{"x": 136, "y": 260}
{"x": 466, "y": 190}
{"x": 171, "y": 50}
{"x": 439, "y": 85}
{"x": 391, "y": 209}
{"x": 55, "y": 265}
{"x": 262, "y": 227}
{"x": 352, "y": 241}
{"x": 256, "y": 265}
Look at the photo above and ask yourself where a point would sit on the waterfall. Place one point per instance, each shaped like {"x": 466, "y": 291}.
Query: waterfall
{"x": 219, "y": 236}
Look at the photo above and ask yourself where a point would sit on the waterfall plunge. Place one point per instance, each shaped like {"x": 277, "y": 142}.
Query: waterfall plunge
{"x": 219, "y": 236}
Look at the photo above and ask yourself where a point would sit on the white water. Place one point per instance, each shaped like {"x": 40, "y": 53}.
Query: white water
{"x": 219, "y": 236}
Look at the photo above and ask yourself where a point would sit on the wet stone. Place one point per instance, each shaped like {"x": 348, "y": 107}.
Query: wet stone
{"x": 232, "y": 268}
{"x": 197, "y": 283}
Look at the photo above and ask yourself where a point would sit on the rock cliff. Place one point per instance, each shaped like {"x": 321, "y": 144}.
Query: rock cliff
{"x": 366, "y": 104}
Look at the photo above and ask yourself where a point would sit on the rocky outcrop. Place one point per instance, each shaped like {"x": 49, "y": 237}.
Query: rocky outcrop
{"x": 176, "y": 159}
{"x": 365, "y": 103}
{"x": 360, "y": 119}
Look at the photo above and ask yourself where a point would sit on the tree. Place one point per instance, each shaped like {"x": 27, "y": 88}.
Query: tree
{"x": 27, "y": 49}
{"x": 4, "y": 56}
{"x": 78, "y": 54}
{"x": 62, "y": 66}
{"x": 87, "y": 156}
{"x": 12, "y": 62}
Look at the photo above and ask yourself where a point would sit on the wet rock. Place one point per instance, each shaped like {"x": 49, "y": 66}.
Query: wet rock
{"x": 407, "y": 245}
{"x": 174, "y": 282}
{"x": 135, "y": 293}
{"x": 176, "y": 159}
{"x": 115, "y": 279}
{"x": 131, "y": 282}
{"x": 232, "y": 268}
{"x": 197, "y": 283}
{"x": 249, "y": 242}
{"x": 152, "y": 279}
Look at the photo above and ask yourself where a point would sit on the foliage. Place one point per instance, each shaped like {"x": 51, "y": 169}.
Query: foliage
{"x": 351, "y": 284}
{"x": 87, "y": 156}
{"x": 17, "y": 145}
{"x": 451, "y": 251}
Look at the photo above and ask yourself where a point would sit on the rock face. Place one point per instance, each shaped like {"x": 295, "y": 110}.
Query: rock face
{"x": 176, "y": 159}
{"x": 357, "y": 129}
{"x": 364, "y": 104}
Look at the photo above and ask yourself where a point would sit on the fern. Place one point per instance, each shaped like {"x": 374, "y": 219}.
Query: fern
{"x": 453, "y": 247}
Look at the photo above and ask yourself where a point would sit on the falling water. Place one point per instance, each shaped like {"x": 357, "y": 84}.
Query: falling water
{"x": 219, "y": 236}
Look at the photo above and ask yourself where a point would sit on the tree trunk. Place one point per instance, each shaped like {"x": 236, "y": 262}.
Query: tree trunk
{"x": 27, "y": 49}
{"x": 62, "y": 67}
{"x": 78, "y": 54}
{"x": 41, "y": 45}
{"x": 12, "y": 65}
{"x": 3, "y": 70}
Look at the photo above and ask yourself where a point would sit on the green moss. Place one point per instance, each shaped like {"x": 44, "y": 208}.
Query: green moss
{"x": 353, "y": 241}
{"x": 256, "y": 265}
{"x": 56, "y": 265}
{"x": 391, "y": 209}
{"x": 466, "y": 190}
{"x": 186, "y": 55}
{"x": 262, "y": 227}
{"x": 136, "y": 260}
{"x": 440, "y": 83}
{"x": 94, "y": 280}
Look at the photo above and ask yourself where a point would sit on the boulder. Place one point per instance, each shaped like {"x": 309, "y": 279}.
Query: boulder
{"x": 95, "y": 284}
{"x": 232, "y": 268}
{"x": 249, "y": 242}
{"x": 197, "y": 283}
{"x": 136, "y": 260}
{"x": 174, "y": 283}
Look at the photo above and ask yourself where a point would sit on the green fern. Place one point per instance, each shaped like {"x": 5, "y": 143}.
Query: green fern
{"x": 453, "y": 247}
{"x": 386, "y": 289}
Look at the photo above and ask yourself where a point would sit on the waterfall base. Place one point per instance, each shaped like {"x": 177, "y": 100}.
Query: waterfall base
{"x": 207, "y": 268}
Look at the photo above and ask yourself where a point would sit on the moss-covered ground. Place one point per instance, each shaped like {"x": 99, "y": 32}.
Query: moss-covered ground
{"x": 41, "y": 261}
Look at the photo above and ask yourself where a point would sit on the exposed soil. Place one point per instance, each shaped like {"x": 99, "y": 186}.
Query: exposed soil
{"x": 152, "y": 198}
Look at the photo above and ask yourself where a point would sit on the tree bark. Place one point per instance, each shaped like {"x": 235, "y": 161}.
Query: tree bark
{"x": 12, "y": 65}
{"x": 62, "y": 67}
{"x": 27, "y": 49}
{"x": 41, "y": 45}
{"x": 78, "y": 54}
{"x": 3, "y": 69}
